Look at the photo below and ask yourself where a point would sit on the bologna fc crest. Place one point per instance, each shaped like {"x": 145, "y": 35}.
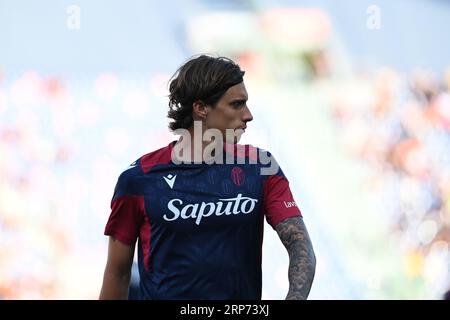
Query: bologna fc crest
{"x": 238, "y": 176}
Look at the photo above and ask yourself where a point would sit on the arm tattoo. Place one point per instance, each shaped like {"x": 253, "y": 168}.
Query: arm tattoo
{"x": 302, "y": 261}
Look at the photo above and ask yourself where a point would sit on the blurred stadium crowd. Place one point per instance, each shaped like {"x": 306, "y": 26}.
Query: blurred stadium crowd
{"x": 397, "y": 127}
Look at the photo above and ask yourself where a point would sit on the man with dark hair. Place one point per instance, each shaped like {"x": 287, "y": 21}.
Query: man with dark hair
{"x": 197, "y": 206}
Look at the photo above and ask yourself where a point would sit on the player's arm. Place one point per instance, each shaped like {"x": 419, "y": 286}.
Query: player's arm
{"x": 116, "y": 279}
{"x": 302, "y": 261}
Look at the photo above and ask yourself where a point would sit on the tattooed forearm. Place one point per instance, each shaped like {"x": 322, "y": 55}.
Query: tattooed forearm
{"x": 302, "y": 261}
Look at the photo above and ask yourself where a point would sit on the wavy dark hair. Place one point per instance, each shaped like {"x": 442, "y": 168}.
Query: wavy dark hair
{"x": 204, "y": 78}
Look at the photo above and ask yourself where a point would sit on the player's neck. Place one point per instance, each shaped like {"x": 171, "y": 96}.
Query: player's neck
{"x": 192, "y": 149}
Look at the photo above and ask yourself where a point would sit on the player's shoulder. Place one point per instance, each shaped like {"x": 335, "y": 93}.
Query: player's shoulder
{"x": 133, "y": 169}
{"x": 145, "y": 162}
{"x": 160, "y": 156}
{"x": 268, "y": 163}
{"x": 125, "y": 185}
{"x": 126, "y": 179}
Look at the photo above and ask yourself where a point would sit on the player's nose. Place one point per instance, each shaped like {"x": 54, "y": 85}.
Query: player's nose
{"x": 247, "y": 116}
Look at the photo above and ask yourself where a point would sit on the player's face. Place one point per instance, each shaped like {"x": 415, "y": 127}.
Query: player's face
{"x": 231, "y": 111}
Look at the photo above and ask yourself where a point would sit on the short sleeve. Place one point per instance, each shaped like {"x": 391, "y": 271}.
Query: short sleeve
{"x": 127, "y": 211}
{"x": 279, "y": 204}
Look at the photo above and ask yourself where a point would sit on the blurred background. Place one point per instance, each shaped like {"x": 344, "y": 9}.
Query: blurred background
{"x": 352, "y": 99}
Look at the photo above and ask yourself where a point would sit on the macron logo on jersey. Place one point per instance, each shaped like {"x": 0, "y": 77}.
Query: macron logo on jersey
{"x": 170, "y": 180}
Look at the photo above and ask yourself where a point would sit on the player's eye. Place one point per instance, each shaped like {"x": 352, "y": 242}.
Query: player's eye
{"x": 238, "y": 104}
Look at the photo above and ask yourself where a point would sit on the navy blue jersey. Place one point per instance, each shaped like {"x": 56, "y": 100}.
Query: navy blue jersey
{"x": 199, "y": 226}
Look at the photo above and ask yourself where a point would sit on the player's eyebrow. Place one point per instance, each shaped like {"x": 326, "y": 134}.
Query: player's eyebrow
{"x": 238, "y": 100}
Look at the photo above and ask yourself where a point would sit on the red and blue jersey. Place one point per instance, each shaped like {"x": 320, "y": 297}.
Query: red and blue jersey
{"x": 199, "y": 226}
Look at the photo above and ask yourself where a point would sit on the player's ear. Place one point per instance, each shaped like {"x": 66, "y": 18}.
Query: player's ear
{"x": 199, "y": 110}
